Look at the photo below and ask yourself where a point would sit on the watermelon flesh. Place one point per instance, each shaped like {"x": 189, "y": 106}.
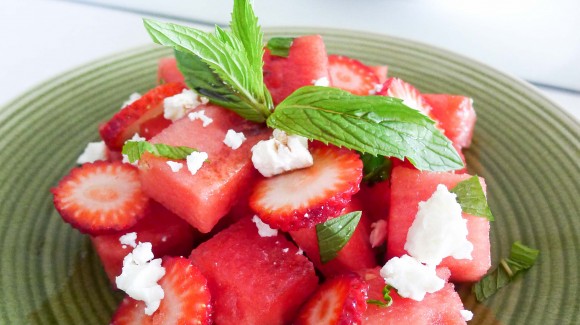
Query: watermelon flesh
{"x": 441, "y": 307}
{"x": 455, "y": 115}
{"x": 167, "y": 71}
{"x": 204, "y": 198}
{"x": 408, "y": 188}
{"x": 306, "y": 62}
{"x": 253, "y": 279}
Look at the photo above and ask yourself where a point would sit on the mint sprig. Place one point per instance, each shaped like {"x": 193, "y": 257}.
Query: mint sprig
{"x": 135, "y": 149}
{"x": 472, "y": 199}
{"x": 280, "y": 46}
{"x": 521, "y": 259}
{"x": 387, "y": 299}
{"x": 370, "y": 124}
{"x": 335, "y": 233}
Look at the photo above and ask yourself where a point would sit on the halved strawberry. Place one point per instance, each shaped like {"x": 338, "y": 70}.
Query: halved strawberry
{"x": 351, "y": 75}
{"x": 395, "y": 87}
{"x": 131, "y": 118}
{"x": 381, "y": 71}
{"x": 305, "y": 197}
{"x": 131, "y": 312}
{"x": 101, "y": 197}
{"x": 187, "y": 298}
{"x": 340, "y": 300}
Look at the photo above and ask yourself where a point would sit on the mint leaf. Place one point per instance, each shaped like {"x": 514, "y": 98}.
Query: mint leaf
{"x": 375, "y": 168}
{"x": 377, "y": 125}
{"x": 280, "y": 46}
{"x": 471, "y": 197}
{"x": 387, "y": 299}
{"x": 521, "y": 259}
{"x": 333, "y": 234}
{"x": 135, "y": 149}
{"x": 230, "y": 58}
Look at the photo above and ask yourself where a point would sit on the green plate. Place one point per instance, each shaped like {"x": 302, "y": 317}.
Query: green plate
{"x": 525, "y": 146}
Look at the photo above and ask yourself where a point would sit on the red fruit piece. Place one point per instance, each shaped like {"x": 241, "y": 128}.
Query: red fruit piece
{"x": 381, "y": 71}
{"x": 305, "y": 197}
{"x": 351, "y": 75}
{"x": 306, "y": 62}
{"x": 455, "y": 115}
{"x": 375, "y": 200}
{"x": 340, "y": 300}
{"x": 167, "y": 71}
{"x": 395, "y": 87}
{"x": 100, "y": 197}
{"x": 187, "y": 297}
{"x": 167, "y": 233}
{"x": 131, "y": 312}
{"x": 253, "y": 279}
{"x": 131, "y": 118}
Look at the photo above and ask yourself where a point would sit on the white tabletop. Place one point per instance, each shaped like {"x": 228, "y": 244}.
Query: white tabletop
{"x": 43, "y": 38}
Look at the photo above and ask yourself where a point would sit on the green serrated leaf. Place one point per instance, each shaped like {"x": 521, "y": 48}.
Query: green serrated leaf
{"x": 375, "y": 168}
{"x": 377, "y": 125}
{"x": 280, "y": 46}
{"x": 471, "y": 197}
{"x": 521, "y": 259}
{"x": 135, "y": 149}
{"x": 333, "y": 234}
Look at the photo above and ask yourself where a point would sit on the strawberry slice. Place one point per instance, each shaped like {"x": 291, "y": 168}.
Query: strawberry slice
{"x": 395, "y": 87}
{"x": 381, "y": 71}
{"x": 131, "y": 312}
{"x": 351, "y": 75}
{"x": 305, "y": 197}
{"x": 187, "y": 298}
{"x": 340, "y": 300}
{"x": 101, "y": 197}
{"x": 131, "y": 118}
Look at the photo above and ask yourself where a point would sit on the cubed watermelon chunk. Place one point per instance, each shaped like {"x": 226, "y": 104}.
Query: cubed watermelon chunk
{"x": 252, "y": 279}
{"x": 167, "y": 71}
{"x": 357, "y": 254}
{"x": 202, "y": 199}
{"x": 375, "y": 200}
{"x": 455, "y": 115}
{"x": 411, "y": 186}
{"x": 306, "y": 62}
{"x": 167, "y": 233}
{"x": 441, "y": 307}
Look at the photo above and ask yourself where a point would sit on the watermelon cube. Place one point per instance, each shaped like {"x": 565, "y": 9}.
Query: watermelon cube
{"x": 306, "y": 62}
{"x": 204, "y": 198}
{"x": 167, "y": 233}
{"x": 252, "y": 279}
{"x": 441, "y": 307}
{"x": 455, "y": 115}
{"x": 167, "y": 71}
{"x": 375, "y": 200}
{"x": 411, "y": 186}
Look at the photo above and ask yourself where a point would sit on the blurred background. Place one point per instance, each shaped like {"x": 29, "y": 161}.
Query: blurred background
{"x": 536, "y": 40}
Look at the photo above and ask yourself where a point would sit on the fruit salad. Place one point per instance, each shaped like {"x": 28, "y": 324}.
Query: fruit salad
{"x": 275, "y": 183}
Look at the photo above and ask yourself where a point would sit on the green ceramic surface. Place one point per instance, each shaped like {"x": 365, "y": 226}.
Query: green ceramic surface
{"x": 527, "y": 149}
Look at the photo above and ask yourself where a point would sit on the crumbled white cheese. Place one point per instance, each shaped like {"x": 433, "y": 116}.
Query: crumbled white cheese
{"x": 175, "y": 166}
{"x": 136, "y": 138}
{"x": 377, "y": 89}
{"x": 200, "y": 115}
{"x": 439, "y": 230}
{"x": 129, "y": 239}
{"x": 234, "y": 139}
{"x": 176, "y": 106}
{"x": 263, "y": 229}
{"x": 378, "y": 233}
{"x": 466, "y": 314}
{"x": 324, "y": 82}
{"x": 411, "y": 278}
{"x": 280, "y": 154}
{"x": 140, "y": 275}
{"x": 132, "y": 98}
{"x": 94, "y": 151}
{"x": 195, "y": 160}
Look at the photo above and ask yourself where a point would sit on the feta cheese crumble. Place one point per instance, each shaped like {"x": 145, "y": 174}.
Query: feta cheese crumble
{"x": 280, "y": 154}
{"x": 411, "y": 278}
{"x": 136, "y": 138}
{"x": 140, "y": 275}
{"x": 176, "y": 106}
{"x": 378, "y": 233}
{"x": 323, "y": 82}
{"x": 93, "y": 151}
{"x": 195, "y": 160}
{"x": 132, "y": 98}
{"x": 174, "y": 165}
{"x": 466, "y": 314}
{"x": 263, "y": 229}
{"x": 439, "y": 230}
{"x": 129, "y": 239}
{"x": 200, "y": 115}
{"x": 377, "y": 89}
{"x": 234, "y": 139}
